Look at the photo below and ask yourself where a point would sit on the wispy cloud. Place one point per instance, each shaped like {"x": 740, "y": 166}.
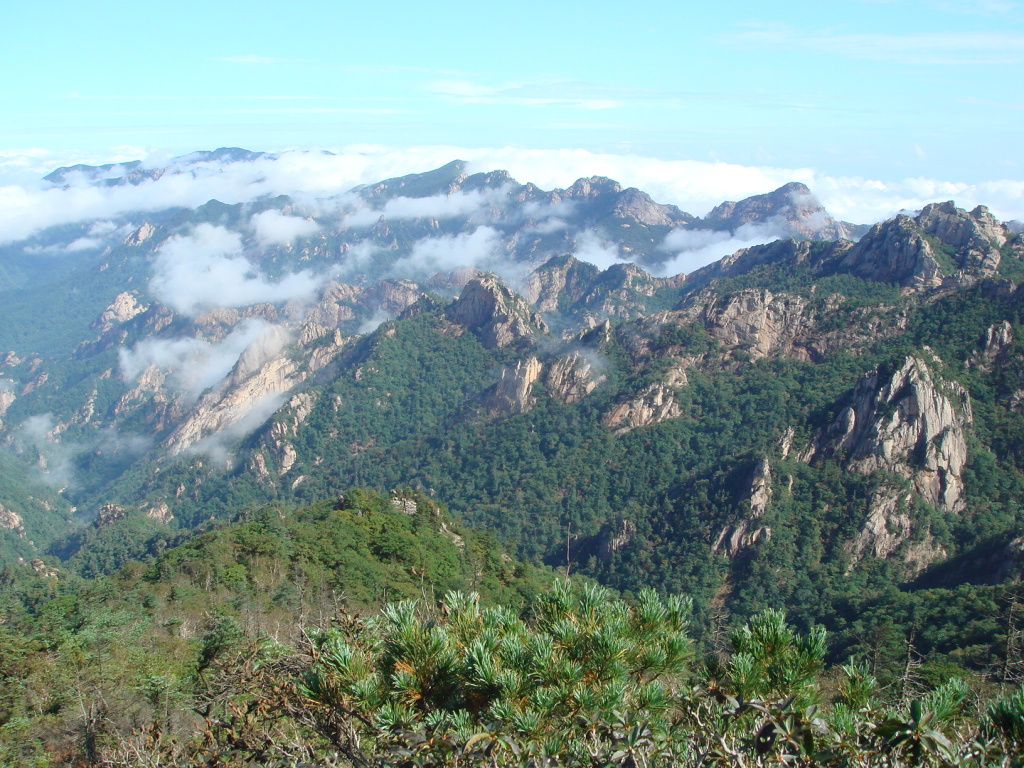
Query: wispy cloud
{"x": 255, "y": 59}
{"x": 969, "y": 7}
{"x": 982, "y": 7}
{"x": 921, "y": 48}
{"x": 27, "y": 206}
{"x": 545, "y": 94}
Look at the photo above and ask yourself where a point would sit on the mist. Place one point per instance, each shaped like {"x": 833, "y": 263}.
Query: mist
{"x": 696, "y": 248}
{"x": 695, "y": 186}
{"x": 191, "y": 365}
{"x": 207, "y": 269}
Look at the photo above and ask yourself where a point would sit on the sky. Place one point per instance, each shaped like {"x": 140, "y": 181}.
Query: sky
{"x": 905, "y": 95}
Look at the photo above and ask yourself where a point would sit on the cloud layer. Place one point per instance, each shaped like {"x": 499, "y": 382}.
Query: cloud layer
{"x": 27, "y": 207}
{"x": 207, "y": 269}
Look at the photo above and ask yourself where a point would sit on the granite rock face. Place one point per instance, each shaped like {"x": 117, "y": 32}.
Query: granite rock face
{"x": 654, "y": 404}
{"x": 122, "y": 309}
{"x": 791, "y": 207}
{"x": 895, "y": 251}
{"x": 909, "y": 423}
{"x": 572, "y": 377}
{"x": 733, "y": 539}
{"x": 942, "y": 245}
{"x": 513, "y": 392}
{"x": 498, "y": 316}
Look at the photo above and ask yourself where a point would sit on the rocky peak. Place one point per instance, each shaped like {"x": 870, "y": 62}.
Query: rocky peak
{"x": 440, "y": 181}
{"x": 976, "y": 236}
{"x": 639, "y": 206}
{"x": 560, "y": 279}
{"x": 895, "y": 251}
{"x": 512, "y": 393}
{"x": 572, "y": 377}
{"x": 140, "y": 235}
{"x": 122, "y": 309}
{"x": 909, "y": 423}
{"x": 942, "y": 241}
{"x": 791, "y": 206}
{"x": 955, "y": 226}
{"x": 595, "y": 186}
{"x": 489, "y": 180}
{"x": 391, "y": 296}
{"x": 497, "y": 315}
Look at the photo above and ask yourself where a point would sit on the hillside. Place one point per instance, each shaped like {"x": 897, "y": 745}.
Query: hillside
{"x": 806, "y": 424}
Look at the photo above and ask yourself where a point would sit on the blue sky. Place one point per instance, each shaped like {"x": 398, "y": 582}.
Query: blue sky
{"x": 874, "y": 89}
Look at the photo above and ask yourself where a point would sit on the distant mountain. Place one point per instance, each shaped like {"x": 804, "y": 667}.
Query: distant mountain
{"x": 808, "y": 416}
{"x": 134, "y": 173}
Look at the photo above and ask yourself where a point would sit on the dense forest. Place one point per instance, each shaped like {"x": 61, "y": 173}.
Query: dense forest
{"x": 550, "y": 514}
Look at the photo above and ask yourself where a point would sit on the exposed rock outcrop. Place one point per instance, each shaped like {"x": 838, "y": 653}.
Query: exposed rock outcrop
{"x": 498, "y": 316}
{"x": 122, "y": 309}
{"x": 888, "y": 526}
{"x": 572, "y": 377}
{"x": 908, "y": 423}
{"x": 7, "y": 396}
{"x": 976, "y": 236}
{"x": 761, "y": 323}
{"x": 140, "y": 235}
{"x": 791, "y": 208}
{"x": 44, "y": 570}
{"x": 733, "y": 539}
{"x": 655, "y": 404}
{"x": 11, "y": 520}
{"x": 895, "y": 251}
{"x": 240, "y": 408}
{"x": 559, "y": 281}
{"x": 998, "y": 339}
{"x": 284, "y": 429}
{"x": 159, "y": 512}
{"x": 512, "y": 393}
{"x": 108, "y": 514}
{"x": 943, "y": 243}
{"x": 254, "y": 389}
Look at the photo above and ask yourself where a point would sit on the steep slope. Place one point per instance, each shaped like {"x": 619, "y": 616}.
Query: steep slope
{"x": 801, "y": 418}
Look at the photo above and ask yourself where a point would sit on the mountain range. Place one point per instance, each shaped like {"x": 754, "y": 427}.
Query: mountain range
{"x": 824, "y": 414}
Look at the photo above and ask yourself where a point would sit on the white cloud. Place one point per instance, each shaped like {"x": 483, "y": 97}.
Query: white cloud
{"x": 593, "y": 250}
{"x": 547, "y": 226}
{"x": 435, "y": 207}
{"x": 695, "y": 248}
{"x": 964, "y": 47}
{"x": 192, "y": 365}
{"x": 252, "y": 58}
{"x": 443, "y": 254}
{"x": 694, "y": 186}
{"x": 207, "y": 269}
{"x": 275, "y": 228}
{"x": 371, "y": 324}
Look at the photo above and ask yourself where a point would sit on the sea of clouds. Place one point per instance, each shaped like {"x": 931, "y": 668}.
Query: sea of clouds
{"x": 28, "y": 204}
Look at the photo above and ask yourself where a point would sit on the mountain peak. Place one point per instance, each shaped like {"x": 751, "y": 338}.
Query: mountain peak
{"x": 440, "y": 181}
{"x": 792, "y": 207}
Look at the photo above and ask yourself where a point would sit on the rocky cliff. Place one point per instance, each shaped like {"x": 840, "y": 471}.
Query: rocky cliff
{"x": 494, "y": 313}
{"x": 908, "y": 422}
{"x": 792, "y": 208}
